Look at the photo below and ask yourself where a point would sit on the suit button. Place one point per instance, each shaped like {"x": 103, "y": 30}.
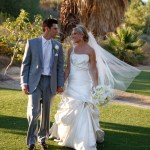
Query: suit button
{"x": 37, "y": 66}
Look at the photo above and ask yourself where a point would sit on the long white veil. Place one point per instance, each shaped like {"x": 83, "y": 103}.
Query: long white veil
{"x": 112, "y": 72}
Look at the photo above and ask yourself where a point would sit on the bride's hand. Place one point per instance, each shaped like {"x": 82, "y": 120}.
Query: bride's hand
{"x": 94, "y": 87}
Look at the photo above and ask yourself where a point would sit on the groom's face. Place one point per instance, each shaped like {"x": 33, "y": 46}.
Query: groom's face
{"x": 53, "y": 31}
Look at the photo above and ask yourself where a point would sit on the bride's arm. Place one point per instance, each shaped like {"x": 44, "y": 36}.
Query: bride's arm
{"x": 93, "y": 68}
{"x": 67, "y": 69}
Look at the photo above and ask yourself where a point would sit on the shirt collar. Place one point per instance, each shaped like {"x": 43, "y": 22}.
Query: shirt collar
{"x": 44, "y": 40}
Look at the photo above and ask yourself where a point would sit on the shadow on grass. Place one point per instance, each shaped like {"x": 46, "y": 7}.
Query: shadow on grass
{"x": 118, "y": 136}
{"x": 55, "y": 147}
{"x": 126, "y": 128}
{"x": 15, "y": 125}
{"x": 125, "y": 137}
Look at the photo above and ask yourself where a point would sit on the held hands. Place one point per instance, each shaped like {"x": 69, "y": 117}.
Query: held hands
{"x": 60, "y": 90}
{"x": 25, "y": 89}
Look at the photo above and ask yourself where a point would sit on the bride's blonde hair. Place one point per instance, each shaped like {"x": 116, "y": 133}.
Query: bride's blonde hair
{"x": 81, "y": 29}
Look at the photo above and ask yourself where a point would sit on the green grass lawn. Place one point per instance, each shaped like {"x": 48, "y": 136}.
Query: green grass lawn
{"x": 141, "y": 85}
{"x": 126, "y": 127}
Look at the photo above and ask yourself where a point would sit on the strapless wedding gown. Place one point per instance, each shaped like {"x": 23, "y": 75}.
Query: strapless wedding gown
{"x": 77, "y": 119}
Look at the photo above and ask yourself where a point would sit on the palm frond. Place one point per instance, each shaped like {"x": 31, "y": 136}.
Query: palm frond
{"x": 99, "y": 16}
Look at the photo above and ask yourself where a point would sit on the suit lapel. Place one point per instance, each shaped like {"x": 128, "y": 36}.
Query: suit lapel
{"x": 53, "y": 52}
{"x": 40, "y": 50}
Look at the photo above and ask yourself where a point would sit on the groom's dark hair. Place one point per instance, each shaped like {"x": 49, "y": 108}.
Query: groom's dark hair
{"x": 49, "y": 23}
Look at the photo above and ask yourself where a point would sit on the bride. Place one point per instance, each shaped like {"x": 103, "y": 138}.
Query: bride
{"x": 77, "y": 119}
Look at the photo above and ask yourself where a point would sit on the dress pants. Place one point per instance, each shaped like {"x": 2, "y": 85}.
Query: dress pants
{"x": 39, "y": 107}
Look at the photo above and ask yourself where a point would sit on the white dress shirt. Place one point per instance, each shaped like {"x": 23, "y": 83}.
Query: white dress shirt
{"x": 47, "y": 54}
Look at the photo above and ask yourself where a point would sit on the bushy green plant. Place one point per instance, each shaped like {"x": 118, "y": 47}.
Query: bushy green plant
{"x": 125, "y": 44}
{"x": 16, "y": 32}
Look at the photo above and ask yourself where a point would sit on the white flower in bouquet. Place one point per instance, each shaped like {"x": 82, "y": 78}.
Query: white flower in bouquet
{"x": 101, "y": 94}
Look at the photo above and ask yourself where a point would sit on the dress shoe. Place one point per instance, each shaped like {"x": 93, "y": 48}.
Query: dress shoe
{"x": 31, "y": 147}
{"x": 44, "y": 146}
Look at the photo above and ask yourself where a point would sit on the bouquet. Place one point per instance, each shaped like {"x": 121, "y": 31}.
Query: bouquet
{"x": 102, "y": 94}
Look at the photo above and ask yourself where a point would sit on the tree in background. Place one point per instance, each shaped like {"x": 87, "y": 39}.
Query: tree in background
{"x": 13, "y": 7}
{"x": 146, "y": 28}
{"x": 136, "y": 15}
{"x": 99, "y": 17}
{"x": 15, "y": 33}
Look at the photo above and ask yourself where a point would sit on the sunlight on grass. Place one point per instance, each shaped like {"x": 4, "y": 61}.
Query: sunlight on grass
{"x": 126, "y": 127}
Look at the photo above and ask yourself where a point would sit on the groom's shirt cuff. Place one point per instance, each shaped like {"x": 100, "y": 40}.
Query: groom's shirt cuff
{"x": 23, "y": 84}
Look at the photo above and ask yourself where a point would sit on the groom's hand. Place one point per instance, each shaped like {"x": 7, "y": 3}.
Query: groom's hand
{"x": 25, "y": 89}
{"x": 60, "y": 90}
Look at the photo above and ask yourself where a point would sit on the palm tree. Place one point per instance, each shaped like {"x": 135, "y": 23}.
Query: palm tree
{"x": 69, "y": 16}
{"x": 99, "y": 16}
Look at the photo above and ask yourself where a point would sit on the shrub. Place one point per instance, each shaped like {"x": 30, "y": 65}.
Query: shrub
{"x": 125, "y": 44}
{"x": 15, "y": 33}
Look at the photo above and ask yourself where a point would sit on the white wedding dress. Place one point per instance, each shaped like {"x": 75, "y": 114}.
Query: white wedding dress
{"x": 77, "y": 119}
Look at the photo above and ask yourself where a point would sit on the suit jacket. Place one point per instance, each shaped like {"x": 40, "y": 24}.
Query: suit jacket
{"x": 32, "y": 64}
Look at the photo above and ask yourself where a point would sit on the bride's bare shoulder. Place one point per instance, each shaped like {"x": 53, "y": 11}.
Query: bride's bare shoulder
{"x": 70, "y": 50}
{"x": 90, "y": 49}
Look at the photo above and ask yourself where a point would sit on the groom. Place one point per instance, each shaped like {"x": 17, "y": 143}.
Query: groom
{"x": 42, "y": 76}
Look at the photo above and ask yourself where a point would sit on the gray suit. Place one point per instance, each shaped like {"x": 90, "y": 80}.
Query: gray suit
{"x": 41, "y": 88}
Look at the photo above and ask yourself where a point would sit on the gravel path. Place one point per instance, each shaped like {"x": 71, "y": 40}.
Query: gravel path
{"x": 133, "y": 100}
{"x": 11, "y": 80}
{"x": 145, "y": 106}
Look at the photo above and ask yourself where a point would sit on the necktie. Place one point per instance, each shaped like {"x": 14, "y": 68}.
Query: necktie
{"x": 46, "y": 49}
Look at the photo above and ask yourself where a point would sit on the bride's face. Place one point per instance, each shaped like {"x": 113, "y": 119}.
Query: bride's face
{"x": 76, "y": 36}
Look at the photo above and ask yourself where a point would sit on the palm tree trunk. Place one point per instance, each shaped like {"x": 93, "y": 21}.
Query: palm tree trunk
{"x": 69, "y": 16}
